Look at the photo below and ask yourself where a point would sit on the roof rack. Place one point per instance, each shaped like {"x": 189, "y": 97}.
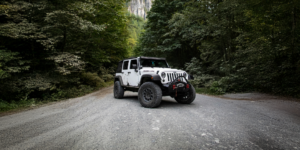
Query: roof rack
{"x": 157, "y": 58}
{"x": 144, "y": 57}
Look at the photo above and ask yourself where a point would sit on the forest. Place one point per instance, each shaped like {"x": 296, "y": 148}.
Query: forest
{"x": 228, "y": 45}
{"x": 59, "y": 49}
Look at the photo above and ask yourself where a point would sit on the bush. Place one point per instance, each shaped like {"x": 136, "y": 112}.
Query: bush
{"x": 70, "y": 92}
{"x": 104, "y": 71}
{"x": 216, "y": 87}
{"x": 92, "y": 79}
{"x": 4, "y": 106}
{"x": 225, "y": 84}
{"x": 202, "y": 81}
{"x": 107, "y": 77}
{"x": 194, "y": 67}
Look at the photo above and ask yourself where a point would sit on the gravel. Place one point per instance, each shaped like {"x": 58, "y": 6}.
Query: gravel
{"x": 98, "y": 121}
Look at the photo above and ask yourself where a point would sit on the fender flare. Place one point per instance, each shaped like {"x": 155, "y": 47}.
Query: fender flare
{"x": 120, "y": 79}
{"x": 156, "y": 77}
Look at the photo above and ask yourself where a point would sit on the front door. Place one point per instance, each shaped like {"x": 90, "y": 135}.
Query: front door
{"x": 133, "y": 75}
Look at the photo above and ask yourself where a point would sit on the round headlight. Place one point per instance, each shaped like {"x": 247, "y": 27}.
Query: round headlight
{"x": 184, "y": 74}
{"x": 163, "y": 74}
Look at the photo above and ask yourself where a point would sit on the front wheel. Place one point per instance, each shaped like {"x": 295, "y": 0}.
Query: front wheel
{"x": 188, "y": 98}
{"x": 150, "y": 95}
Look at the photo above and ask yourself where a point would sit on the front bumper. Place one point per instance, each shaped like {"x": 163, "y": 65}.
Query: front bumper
{"x": 178, "y": 86}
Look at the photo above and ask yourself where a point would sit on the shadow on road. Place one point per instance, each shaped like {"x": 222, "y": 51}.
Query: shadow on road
{"x": 166, "y": 101}
{"x": 130, "y": 97}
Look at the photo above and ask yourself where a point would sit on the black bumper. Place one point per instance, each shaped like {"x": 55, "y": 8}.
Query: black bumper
{"x": 178, "y": 87}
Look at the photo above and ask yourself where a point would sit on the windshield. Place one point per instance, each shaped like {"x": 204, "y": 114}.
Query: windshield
{"x": 154, "y": 63}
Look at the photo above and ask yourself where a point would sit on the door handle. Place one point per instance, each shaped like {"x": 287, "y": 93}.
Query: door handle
{"x": 122, "y": 72}
{"x": 129, "y": 72}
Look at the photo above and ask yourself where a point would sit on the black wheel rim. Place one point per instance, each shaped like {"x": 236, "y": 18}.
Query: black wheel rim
{"x": 148, "y": 94}
{"x": 186, "y": 97}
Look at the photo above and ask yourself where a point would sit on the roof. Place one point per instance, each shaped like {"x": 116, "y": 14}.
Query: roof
{"x": 143, "y": 57}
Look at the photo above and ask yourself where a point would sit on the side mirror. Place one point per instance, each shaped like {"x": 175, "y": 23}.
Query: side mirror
{"x": 134, "y": 66}
{"x": 141, "y": 67}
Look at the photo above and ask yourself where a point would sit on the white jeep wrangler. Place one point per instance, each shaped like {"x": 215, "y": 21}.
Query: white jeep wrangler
{"x": 152, "y": 78}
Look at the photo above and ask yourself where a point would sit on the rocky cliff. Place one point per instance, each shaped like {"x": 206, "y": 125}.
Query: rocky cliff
{"x": 140, "y": 7}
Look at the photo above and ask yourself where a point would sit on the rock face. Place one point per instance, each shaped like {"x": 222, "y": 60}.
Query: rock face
{"x": 140, "y": 7}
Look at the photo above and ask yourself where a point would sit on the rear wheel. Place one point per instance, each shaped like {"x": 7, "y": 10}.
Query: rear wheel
{"x": 150, "y": 95}
{"x": 188, "y": 98}
{"x": 118, "y": 90}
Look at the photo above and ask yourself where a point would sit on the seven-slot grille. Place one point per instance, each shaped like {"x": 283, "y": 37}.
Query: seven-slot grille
{"x": 173, "y": 76}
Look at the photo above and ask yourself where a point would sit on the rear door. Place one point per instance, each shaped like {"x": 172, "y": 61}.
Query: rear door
{"x": 125, "y": 72}
{"x": 133, "y": 75}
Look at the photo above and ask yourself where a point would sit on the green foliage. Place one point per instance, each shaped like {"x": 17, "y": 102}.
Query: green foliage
{"x": 157, "y": 41}
{"x": 66, "y": 63}
{"x": 203, "y": 80}
{"x": 239, "y": 45}
{"x": 70, "y": 92}
{"x": 135, "y": 29}
{"x": 107, "y": 74}
{"x": 11, "y": 63}
{"x": 47, "y": 46}
{"x": 206, "y": 91}
{"x": 216, "y": 87}
{"x": 5, "y": 106}
{"x": 108, "y": 77}
{"x": 194, "y": 67}
{"x": 92, "y": 79}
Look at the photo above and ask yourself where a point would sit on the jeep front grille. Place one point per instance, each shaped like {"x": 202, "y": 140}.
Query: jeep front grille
{"x": 173, "y": 76}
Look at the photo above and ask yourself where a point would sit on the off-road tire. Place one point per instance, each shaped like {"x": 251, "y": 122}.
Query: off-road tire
{"x": 191, "y": 95}
{"x": 150, "y": 95}
{"x": 118, "y": 90}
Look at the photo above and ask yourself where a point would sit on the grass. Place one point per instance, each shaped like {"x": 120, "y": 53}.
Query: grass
{"x": 206, "y": 91}
{"x": 5, "y": 106}
{"x": 58, "y": 96}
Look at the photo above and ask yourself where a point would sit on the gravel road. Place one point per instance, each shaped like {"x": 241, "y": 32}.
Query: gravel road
{"x": 98, "y": 121}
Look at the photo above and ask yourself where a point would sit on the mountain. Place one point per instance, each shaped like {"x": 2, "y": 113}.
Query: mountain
{"x": 140, "y": 7}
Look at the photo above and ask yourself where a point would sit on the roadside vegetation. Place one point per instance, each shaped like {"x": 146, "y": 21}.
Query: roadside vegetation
{"x": 206, "y": 91}
{"x": 228, "y": 46}
{"x": 56, "y": 96}
{"x": 59, "y": 49}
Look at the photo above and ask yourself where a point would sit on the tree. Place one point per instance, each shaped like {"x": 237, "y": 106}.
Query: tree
{"x": 239, "y": 45}
{"x": 46, "y": 45}
{"x": 156, "y": 41}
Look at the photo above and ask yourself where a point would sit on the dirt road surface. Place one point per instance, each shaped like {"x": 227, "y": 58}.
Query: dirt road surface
{"x": 98, "y": 121}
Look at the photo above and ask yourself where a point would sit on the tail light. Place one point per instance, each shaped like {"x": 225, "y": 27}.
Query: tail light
{"x": 174, "y": 86}
{"x": 187, "y": 86}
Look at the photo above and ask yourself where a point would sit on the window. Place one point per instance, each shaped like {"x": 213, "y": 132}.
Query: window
{"x": 132, "y": 63}
{"x": 154, "y": 63}
{"x": 125, "y": 65}
{"x": 119, "y": 69}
